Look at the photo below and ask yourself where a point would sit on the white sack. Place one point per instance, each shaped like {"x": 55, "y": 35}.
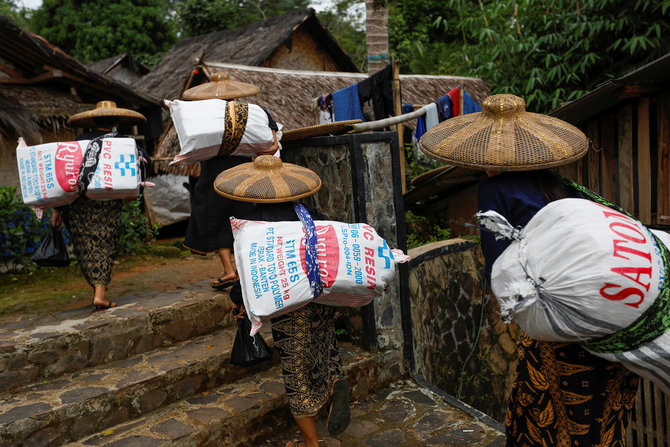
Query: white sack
{"x": 579, "y": 271}
{"x": 169, "y": 201}
{"x": 200, "y": 126}
{"x": 48, "y": 172}
{"x": 355, "y": 265}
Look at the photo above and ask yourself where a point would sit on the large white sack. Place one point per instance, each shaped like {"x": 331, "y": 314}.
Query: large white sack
{"x": 49, "y": 172}
{"x": 355, "y": 265}
{"x": 577, "y": 271}
{"x": 200, "y": 126}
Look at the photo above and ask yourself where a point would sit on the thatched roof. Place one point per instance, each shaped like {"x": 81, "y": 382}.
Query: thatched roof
{"x": 288, "y": 95}
{"x": 41, "y": 86}
{"x": 248, "y": 45}
{"x": 104, "y": 66}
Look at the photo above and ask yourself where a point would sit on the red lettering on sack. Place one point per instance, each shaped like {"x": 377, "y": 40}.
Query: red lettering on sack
{"x": 67, "y": 163}
{"x": 637, "y": 271}
{"x": 641, "y": 240}
{"x": 618, "y": 248}
{"x": 328, "y": 254}
{"x": 622, "y": 294}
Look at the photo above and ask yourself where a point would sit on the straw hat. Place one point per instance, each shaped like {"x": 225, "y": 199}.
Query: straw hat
{"x": 105, "y": 109}
{"x": 220, "y": 86}
{"x": 504, "y": 137}
{"x": 267, "y": 180}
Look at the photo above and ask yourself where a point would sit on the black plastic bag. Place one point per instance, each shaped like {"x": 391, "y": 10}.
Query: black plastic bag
{"x": 52, "y": 251}
{"x": 248, "y": 350}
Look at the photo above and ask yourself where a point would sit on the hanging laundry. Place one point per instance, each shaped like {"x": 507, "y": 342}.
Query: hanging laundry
{"x": 365, "y": 91}
{"x": 346, "y": 104}
{"x": 420, "y": 128}
{"x": 469, "y": 104}
{"x": 406, "y": 108}
{"x": 431, "y": 116}
{"x": 455, "y": 96}
{"x": 325, "y": 106}
{"x": 382, "y": 93}
{"x": 445, "y": 107}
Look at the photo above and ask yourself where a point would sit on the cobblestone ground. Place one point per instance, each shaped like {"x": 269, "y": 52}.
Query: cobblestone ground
{"x": 406, "y": 414}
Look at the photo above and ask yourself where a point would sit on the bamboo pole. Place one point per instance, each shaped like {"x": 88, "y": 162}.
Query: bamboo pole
{"x": 397, "y": 106}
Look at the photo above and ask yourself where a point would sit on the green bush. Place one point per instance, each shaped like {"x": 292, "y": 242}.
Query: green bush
{"x": 135, "y": 233}
{"x": 421, "y": 231}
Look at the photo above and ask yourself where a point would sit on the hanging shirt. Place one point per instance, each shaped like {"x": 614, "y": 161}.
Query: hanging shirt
{"x": 446, "y": 107}
{"x": 431, "y": 116}
{"x": 420, "y": 128}
{"x": 382, "y": 93}
{"x": 346, "y": 104}
{"x": 469, "y": 104}
{"x": 455, "y": 96}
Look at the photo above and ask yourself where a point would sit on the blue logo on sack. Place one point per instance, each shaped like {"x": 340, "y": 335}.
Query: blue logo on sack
{"x": 122, "y": 165}
{"x": 381, "y": 252}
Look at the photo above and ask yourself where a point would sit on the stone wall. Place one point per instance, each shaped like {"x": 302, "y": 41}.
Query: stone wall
{"x": 361, "y": 177}
{"x": 461, "y": 345}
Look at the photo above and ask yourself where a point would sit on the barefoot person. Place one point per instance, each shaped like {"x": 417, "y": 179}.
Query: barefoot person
{"x": 93, "y": 224}
{"x": 305, "y": 337}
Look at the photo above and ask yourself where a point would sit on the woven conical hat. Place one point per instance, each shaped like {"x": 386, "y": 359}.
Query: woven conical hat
{"x": 106, "y": 109}
{"x": 220, "y": 86}
{"x": 504, "y": 137}
{"x": 267, "y": 180}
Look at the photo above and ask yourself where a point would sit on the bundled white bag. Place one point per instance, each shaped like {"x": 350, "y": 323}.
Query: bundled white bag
{"x": 583, "y": 272}
{"x": 200, "y": 126}
{"x": 354, "y": 264}
{"x": 49, "y": 172}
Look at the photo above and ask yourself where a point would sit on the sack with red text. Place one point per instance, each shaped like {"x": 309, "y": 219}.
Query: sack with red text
{"x": 355, "y": 265}
{"x": 583, "y": 272}
{"x": 49, "y": 173}
{"x": 213, "y": 127}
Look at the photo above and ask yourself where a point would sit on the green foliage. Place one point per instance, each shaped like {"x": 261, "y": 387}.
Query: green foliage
{"x": 98, "y": 29}
{"x": 546, "y": 52}
{"x": 348, "y": 31}
{"x": 421, "y": 231}
{"x": 135, "y": 233}
{"x": 20, "y": 231}
{"x": 17, "y": 14}
{"x": 198, "y": 17}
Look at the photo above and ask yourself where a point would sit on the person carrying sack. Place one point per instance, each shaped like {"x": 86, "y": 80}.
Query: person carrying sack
{"x": 562, "y": 394}
{"x": 93, "y": 224}
{"x": 305, "y": 337}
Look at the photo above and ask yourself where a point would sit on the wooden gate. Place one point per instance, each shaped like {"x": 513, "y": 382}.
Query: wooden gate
{"x": 649, "y": 425}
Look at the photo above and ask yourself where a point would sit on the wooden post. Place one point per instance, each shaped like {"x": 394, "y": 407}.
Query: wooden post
{"x": 397, "y": 109}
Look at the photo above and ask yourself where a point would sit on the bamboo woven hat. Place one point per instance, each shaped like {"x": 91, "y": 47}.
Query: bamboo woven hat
{"x": 106, "y": 109}
{"x": 504, "y": 137}
{"x": 220, "y": 86}
{"x": 267, "y": 180}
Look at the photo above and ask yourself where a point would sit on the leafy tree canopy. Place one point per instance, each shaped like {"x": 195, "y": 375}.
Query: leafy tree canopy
{"x": 546, "y": 52}
{"x": 198, "y": 17}
{"x": 98, "y": 29}
{"x": 347, "y": 27}
{"x": 12, "y": 10}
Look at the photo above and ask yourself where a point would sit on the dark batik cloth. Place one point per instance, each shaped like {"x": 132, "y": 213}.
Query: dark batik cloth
{"x": 93, "y": 225}
{"x": 208, "y": 228}
{"x": 305, "y": 338}
{"x": 562, "y": 395}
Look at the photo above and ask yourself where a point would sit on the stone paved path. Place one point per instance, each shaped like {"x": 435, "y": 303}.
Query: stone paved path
{"x": 408, "y": 414}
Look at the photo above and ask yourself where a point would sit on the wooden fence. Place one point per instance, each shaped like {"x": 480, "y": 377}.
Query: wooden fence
{"x": 629, "y": 164}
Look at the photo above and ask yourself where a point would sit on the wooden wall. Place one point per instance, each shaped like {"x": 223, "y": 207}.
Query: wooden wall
{"x": 628, "y": 161}
{"x": 304, "y": 54}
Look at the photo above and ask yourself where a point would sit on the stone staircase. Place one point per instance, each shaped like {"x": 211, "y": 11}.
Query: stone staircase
{"x": 153, "y": 371}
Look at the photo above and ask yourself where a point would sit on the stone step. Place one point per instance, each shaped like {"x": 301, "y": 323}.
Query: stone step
{"x": 81, "y": 403}
{"x": 37, "y": 349}
{"x": 243, "y": 413}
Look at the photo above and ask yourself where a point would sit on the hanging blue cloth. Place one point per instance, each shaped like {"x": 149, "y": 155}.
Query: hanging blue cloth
{"x": 347, "y": 105}
{"x": 420, "y": 128}
{"x": 311, "y": 259}
{"x": 446, "y": 106}
{"x": 469, "y": 104}
{"x": 406, "y": 108}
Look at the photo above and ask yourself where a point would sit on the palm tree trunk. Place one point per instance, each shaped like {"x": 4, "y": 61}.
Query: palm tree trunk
{"x": 377, "y": 38}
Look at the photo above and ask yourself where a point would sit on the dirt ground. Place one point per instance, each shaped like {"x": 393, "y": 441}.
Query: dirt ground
{"x": 46, "y": 290}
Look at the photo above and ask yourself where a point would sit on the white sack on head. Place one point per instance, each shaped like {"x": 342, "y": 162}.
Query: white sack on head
{"x": 200, "y": 126}
{"x": 49, "y": 172}
{"x": 355, "y": 265}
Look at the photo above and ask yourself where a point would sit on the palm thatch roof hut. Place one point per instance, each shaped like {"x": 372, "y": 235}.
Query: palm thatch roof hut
{"x": 41, "y": 87}
{"x": 292, "y": 40}
{"x": 124, "y": 68}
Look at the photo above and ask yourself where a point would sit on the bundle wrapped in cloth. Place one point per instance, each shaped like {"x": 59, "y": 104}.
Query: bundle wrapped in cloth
{"x": 285, "y": 265}
{"x": 50, "y": 173}
{"x": 213, "y": 127}
{"x": 582, "y": 272}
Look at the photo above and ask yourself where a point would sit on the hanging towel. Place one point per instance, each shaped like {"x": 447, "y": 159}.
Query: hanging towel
{"x": 469, "y": 104}
{"x": 382, "y": 93}
{"x": 420, "y": 128}
{"x": 445, "y": 106}
{"x": 455, "y": 96}
{"x": 431, "y": 115}
{"x": 346, "y": 104}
